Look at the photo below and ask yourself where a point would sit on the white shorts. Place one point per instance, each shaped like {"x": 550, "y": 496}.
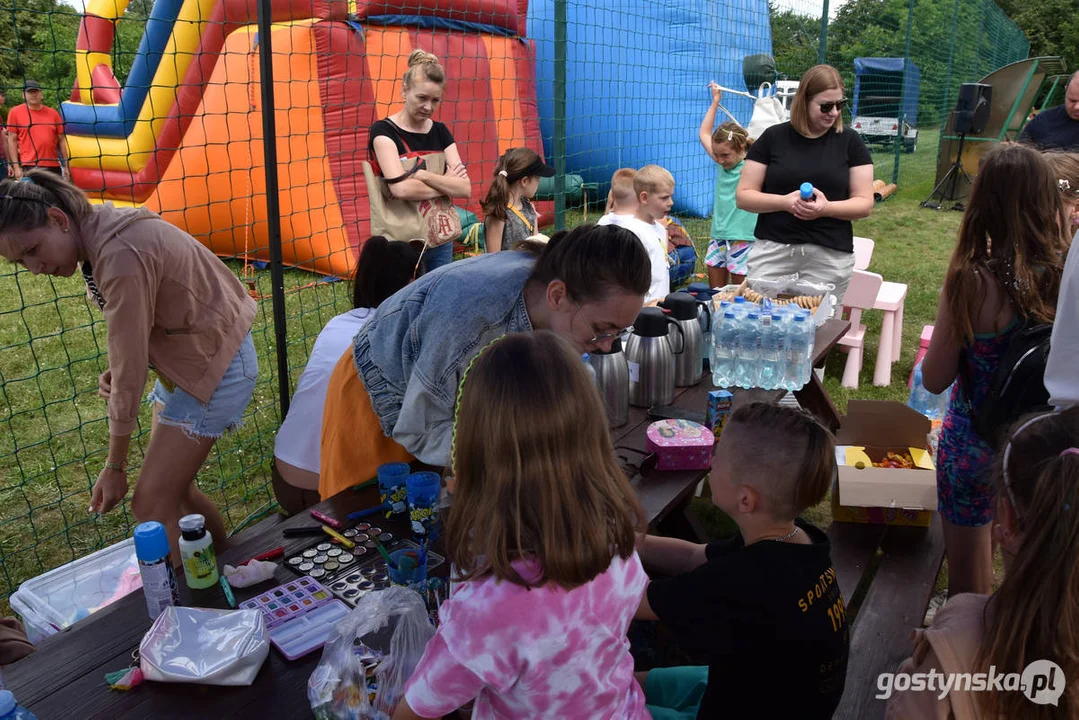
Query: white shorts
{"x": 769, "y": 260}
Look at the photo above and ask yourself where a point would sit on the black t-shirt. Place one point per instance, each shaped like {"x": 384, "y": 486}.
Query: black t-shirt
{"x": 772, "y": 622}
{"x": 437, "y": 139}
{"x": 1052, "y": 129}
{"x": 793, "y": 159}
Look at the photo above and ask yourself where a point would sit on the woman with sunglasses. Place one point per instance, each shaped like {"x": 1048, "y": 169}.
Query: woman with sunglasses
{"x": 391, "y": 396}
{"x": 812, "y": 237}
{"x": 170, "y": 306}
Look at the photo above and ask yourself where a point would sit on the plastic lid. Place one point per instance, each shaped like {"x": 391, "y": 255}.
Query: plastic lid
{"x": 776, "y": 317}
{"x": 585, "y": 357}
{"x": 682, "y": 305}
{"x": 651, "y": 322}
{"x": 806, "y": 189}
{"x": 7, "y": 702}
{"x": 799, "y": 318}
{"x": 151, "y": 541}
{"x": 728, "y": 315}
{"x": 753, "y": 315}
{"x": 192, "y": 523}
{"x": 738, "y": 300}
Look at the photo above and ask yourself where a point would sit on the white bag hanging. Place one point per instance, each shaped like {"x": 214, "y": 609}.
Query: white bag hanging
{"x": 768, "y": 110}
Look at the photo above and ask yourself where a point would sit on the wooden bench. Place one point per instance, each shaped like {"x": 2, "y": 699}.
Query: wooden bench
{"x": 887, "y": 576}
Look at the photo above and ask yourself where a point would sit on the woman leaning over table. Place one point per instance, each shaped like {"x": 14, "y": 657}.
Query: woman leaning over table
{"x": 170, "y": 305}
{"x": 815, "y": 237}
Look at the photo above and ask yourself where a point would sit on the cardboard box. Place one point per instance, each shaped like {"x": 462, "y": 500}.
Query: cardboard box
{"x": 889, "y": 496}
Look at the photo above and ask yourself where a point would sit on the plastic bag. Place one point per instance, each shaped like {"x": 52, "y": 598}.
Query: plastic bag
{"x": 796, "y": 286}
{"x": 387, "y": 630}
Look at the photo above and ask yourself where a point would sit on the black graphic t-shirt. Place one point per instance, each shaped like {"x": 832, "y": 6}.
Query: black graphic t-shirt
{"x": 772, "y": 622}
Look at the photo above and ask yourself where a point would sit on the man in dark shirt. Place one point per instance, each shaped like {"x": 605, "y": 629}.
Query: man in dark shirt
{"x": 1057, "y": 128}
{"x": 765, "y": 608}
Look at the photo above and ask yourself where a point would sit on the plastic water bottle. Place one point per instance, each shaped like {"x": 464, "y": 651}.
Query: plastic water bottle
{"x": 925, "y": 402}
{"x": 806, "y": 191}
{"x": 798, "y": 348}
{"x": 771, "y": 363}
{"x": 747, "y": 364}
{"x": 725, "y": 341}
{"x": 11, "y": 710}
{"x": 591, "y": 370}
{"x": 158, "y": 578}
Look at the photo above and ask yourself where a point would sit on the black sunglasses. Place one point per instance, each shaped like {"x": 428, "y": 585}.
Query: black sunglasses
{"x": 830, "y": 106}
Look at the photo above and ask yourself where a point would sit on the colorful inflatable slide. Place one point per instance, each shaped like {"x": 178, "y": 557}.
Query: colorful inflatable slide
{"x": 184, "y": 134}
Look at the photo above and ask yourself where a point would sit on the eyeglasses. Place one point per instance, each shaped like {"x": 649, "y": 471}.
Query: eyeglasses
{"x": 599, "y": 337}
{"x": 830, "y": 106}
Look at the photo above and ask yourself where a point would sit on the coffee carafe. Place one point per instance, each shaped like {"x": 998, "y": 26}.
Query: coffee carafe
{"x": 650, "y": 358}
{"x": 612, "y": 379}
{"x": 689, "y": 364}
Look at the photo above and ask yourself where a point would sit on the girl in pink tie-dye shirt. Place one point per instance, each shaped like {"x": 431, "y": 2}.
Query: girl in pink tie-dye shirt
{"x": 545, "y": 516}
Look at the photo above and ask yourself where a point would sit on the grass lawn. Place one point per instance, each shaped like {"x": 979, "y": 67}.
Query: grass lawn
{"x": 53, "y": 436}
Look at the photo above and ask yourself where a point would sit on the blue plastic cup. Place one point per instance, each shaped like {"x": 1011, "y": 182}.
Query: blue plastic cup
{"x": 412, "y": 574}
{"x": 391, "y": 486}
{"x": 424, "y": 489}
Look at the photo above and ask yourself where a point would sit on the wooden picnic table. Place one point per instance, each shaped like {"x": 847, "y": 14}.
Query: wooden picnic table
{"x": 65, "y": 678}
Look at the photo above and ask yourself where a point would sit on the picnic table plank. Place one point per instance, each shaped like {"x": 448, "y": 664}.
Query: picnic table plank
{"x": 853, "y": 548}
{"x": 894, "y": 606}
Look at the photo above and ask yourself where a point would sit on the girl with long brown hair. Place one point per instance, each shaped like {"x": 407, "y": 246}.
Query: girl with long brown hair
{"x": 1034, "y": 616}
{"x": 542, "y": 526}
{"x": 1005, "y": 271}
{"x": 510, "y": 215}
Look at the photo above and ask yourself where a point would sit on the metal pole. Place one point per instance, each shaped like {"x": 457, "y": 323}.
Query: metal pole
{"x": 951, "y": 59}
{"x": 560, "y": 43}
{"x": 822, "y": 45}
{"x": 273, "y": 206}
{"x": 903, "y": 96}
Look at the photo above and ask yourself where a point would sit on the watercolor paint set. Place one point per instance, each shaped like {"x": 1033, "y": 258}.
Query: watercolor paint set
{"x": 299, "y": 615}
{"x": 326, "y": 558}
{"x": 371, "y": 574}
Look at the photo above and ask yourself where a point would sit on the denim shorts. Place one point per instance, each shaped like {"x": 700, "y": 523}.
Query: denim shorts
{"x": 227, "y": 405}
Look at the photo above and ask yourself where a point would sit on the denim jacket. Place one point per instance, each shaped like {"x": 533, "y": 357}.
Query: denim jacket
{"x": 413, "y": 354}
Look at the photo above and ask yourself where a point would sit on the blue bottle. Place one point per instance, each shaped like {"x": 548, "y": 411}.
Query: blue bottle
{"x": 806, "y": 191}
{"x": 798, "y": 353}
{"x": 747, "y": 366}
{"x": 771, "y": 362}
{"x": 158, "y": 579}
{"x": 11, "y": 710}
{"x": 725, "y": 336}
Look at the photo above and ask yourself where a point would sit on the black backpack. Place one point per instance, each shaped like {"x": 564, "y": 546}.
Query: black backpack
{"x": 1018, "y": 387}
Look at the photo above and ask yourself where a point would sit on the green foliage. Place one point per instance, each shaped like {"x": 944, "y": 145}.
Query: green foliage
{"x": 795, "y": 38}
{"x": 37, "y": 41}
{"x": 1051, "y": 25}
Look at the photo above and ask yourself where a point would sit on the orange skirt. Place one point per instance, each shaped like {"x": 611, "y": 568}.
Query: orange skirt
{"x": 353, "y": 445}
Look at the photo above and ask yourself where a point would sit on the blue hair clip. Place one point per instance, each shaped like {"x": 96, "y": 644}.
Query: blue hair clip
{"x": 27, "y": 179}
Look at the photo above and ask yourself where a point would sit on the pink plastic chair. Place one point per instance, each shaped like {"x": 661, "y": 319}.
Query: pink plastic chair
{"x": 890, "y": 299}
{"x": 863, "y": 252}
{"x": 861, "y": 294}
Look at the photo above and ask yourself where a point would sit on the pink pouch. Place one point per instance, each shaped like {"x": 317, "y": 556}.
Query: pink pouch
{"x": 680, "y": 445}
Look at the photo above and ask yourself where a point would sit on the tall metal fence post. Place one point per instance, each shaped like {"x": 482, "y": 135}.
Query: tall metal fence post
{"x": 822, "y": 44}
{"x": 898, "y": 145}
{"x": 273, "y": 206}
{"x": 560, "y": 43}
{"x": 947, "y": 96}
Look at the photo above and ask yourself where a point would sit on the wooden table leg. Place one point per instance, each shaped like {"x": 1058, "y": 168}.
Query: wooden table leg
{"x": 814, "y": 398}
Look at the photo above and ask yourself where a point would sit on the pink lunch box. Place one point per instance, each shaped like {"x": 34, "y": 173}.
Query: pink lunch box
{"x": 680, "y": 445}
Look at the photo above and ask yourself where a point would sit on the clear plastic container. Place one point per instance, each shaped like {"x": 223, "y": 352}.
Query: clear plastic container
{"x": 58, "y": 599}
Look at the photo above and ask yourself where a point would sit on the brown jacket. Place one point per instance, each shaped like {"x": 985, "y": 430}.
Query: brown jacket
{"x": 169, "y": 302}
{"x": 950, "y": 646}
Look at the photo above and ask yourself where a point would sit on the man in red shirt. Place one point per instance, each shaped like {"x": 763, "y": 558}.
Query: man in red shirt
{"x": 35, "y": 135}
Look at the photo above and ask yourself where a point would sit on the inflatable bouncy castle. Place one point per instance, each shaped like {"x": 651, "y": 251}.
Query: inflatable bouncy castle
{"x": 183, "y": 135}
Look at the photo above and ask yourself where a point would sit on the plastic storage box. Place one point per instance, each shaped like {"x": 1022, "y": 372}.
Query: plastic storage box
{"x": 61, "y": 597}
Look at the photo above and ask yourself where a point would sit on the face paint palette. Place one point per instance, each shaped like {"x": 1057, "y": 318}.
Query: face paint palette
{"x": 326, "y": 559}
{"x": 370, "y": 574}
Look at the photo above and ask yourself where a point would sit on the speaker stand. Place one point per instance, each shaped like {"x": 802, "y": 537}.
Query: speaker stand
{"x": 951, "y": 179}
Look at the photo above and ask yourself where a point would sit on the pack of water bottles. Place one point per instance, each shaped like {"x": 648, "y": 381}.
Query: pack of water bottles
{"x": 761, "y": 345}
